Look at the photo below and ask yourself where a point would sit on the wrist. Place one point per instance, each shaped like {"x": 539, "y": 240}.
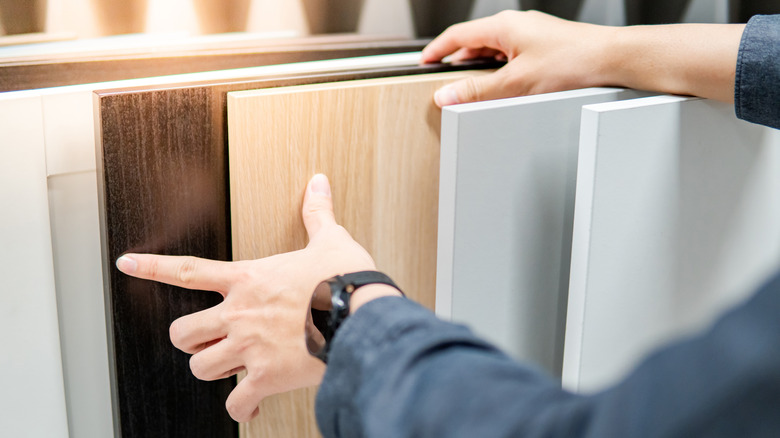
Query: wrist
{"x": 369, "y": 293}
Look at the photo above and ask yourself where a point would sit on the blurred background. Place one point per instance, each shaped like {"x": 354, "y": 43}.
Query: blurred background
{"x": 71, "y": 19}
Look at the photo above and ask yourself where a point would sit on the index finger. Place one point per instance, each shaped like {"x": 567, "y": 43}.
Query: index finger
{"x": 476, "y": 34}
{"x": 183, "y": 271}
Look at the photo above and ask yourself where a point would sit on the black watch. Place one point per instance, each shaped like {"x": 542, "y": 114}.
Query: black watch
{"x": 330, "y": 307}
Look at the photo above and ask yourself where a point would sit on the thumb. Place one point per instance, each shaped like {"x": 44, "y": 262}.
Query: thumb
{"x": 317, "y": 205}
{"x": 472, "y": 89}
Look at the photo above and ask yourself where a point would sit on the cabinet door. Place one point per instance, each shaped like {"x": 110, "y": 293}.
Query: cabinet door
{"x": 30, "y": 365}
{"x": 506, "y": 201}
{"x": 378, "y": 141}
{"x": 675, "y": 219}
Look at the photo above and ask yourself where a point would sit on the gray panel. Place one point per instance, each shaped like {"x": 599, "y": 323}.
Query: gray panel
{"x": 506, "y": 204}
{"x": 675, "y": 220}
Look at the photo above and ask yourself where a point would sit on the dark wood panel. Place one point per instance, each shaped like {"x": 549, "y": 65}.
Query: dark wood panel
{"x": 164, "y": 189}
{"x": 23, "y": 74}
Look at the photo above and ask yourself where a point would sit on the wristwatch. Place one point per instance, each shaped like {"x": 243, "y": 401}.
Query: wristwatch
{"x": 330, "y": 307}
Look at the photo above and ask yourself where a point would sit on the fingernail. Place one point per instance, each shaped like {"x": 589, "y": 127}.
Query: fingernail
{"x": 319, "y": 185}
{"x": 126, "y": 264}
{"x": 445, "y": 96}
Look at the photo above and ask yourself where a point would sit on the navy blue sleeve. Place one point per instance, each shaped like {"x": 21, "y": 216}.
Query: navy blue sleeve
{"x": 397, "y": 371}
{"x": 757, "y": 82}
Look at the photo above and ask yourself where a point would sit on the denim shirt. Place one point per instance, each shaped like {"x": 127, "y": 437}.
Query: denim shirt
{"x": 397, "y": 371}
{"x": 757, "y": 83}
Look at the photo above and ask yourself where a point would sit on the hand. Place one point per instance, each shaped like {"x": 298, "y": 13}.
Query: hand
{"x": 546, "y": 54}
{"x": 259, "y": 327}
{"x": 543, "y": 54}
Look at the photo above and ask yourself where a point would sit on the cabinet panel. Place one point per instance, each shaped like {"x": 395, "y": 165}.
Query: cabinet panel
{"x": 675, "y": 219}
{"x": 506, "y": 202}
{"x": 31, "y": 377}
{"x": 378, "y": 141}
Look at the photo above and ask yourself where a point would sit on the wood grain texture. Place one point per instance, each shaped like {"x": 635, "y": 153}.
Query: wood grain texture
{"x": 22, "y": 74}
{"x": 378, "y": 141}
{"x": 164, "y": 189}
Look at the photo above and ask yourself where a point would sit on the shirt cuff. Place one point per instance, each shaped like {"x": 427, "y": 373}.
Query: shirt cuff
{"x": 370, "y": 349}
{"x": 756, "y": 94}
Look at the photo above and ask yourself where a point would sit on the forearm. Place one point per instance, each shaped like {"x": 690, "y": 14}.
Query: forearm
{"x": 689, "y": 59}
{"x": 397, "y": 371}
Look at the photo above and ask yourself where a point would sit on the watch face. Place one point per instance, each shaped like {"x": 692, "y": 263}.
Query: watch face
{"x": 318, "y": 329}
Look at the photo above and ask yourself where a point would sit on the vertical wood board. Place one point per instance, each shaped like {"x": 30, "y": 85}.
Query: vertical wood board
{"x": 378, "y": 141}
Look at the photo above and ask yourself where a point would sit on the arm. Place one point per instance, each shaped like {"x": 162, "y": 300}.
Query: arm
{"x": 259, "y": 327}
{"x": 396, "y": 371}
{"x": 547, "y": 54}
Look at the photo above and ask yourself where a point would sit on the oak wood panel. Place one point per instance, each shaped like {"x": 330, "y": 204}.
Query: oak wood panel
{"x": 163, "y": 178}
{"x": 22, "y": 74}
{"x": 378, "y": 141}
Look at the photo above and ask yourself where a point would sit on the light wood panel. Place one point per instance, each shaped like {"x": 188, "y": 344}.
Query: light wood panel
{"x": 675, "y": 219}
{"x": 506, "y": 202}
{"x": 378, "y": 141}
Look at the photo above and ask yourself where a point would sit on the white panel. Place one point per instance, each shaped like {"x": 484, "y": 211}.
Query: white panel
{"x": 73, "y": 207}
{"x": 67, "y": 124}
{"x": 675, "y": 220}
{"x": 505, "y": 211}
{"x": 33, "y": 398}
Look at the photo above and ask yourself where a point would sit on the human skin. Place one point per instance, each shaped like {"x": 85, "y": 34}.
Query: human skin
{"x": 546, "y": 54}
{"x": 259, "y": 327}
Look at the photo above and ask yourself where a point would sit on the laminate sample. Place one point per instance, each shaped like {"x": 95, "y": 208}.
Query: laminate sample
{"x": 65, "y": 117}
{"x": 164, "y": 182}
{"x": 675, "y": 219}
{"x": 378, "y": 141}
{"x": 23, "y": 73}
{"x": 506, "y": 202}
{"x": 31, "y": 377}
